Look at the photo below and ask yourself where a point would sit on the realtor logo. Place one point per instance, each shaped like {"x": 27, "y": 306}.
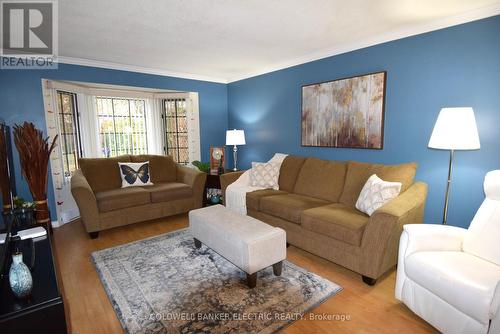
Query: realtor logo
{"x": 29, "y": 34}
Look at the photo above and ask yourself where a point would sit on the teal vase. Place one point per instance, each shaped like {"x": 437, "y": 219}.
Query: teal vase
{"x": 20, "y": 278}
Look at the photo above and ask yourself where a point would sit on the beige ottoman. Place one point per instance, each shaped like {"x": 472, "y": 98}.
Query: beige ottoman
{"x": 246, "y": 242}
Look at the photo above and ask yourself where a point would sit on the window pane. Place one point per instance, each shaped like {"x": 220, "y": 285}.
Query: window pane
{"x": 176, "y": 130}
{"x": 171, "y": 140}
{"x": 181, "y": 107}
{"x": 122, "y": 124}
{"x": 171, "y": 124}
{"x": 66, "y": 103}
{"x": 183, "y": 155}
{"x": 68, "y": 132}
{"x": 182, "y": 124}
{"x": 121, "y": 107}
{"x": 183, "y": 140}
{"x": 66, "y": 123}
{"x": 170, "y": 107}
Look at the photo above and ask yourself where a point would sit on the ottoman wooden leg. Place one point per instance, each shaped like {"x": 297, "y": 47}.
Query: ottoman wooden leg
{"x": 252, "y": 280}
{"x": 277, "y": 268}
{"x": 197, "y": 243}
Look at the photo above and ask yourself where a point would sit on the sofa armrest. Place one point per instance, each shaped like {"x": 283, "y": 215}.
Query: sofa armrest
{"x": 228, "y": 178}
{"x": 195, "y": 179}
{"x": 381, "y": 236}
{"x": 86, "y": 201}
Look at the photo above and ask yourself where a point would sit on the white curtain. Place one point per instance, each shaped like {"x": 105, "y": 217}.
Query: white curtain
{"x": 193, "y": 126}
{"x": 89, "y": 126}
{"x": 154, "y": 126}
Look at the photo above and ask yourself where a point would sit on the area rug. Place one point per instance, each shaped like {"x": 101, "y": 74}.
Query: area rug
{"x": 164, "y": 284}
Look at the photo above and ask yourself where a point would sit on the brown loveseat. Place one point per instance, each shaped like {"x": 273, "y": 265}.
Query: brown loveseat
{"x": 103, "y": 204}
{"x": 315, "y": 205}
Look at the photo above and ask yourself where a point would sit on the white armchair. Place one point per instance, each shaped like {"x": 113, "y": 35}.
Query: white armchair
{"x": 450, "y": 276}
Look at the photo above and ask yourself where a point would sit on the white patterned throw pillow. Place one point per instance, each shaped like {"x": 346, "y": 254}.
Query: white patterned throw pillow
{"x": 135, "y": 174}
{"x": 265, "y": 174}
{"x": 375, "y": 193}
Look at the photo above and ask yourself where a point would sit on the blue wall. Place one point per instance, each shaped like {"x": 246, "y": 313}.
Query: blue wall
{"x": 457, "y": 66}
{"x": 21, "y": 100}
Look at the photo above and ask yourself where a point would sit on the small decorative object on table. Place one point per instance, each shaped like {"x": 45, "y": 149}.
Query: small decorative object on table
{"x": 23, "y": 211}
{"x": 34, "y": 154}
{"x": 217, "y": 160}
{"x": 20, "y": 278}
{"x": 214, "y": 195}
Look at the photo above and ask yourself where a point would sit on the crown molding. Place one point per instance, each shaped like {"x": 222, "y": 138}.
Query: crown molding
{"x": 442, "y": 23}
{"x": 139, "y": 69}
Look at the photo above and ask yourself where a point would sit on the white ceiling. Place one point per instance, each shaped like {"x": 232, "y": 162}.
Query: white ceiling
{"x": 226, "y": 40}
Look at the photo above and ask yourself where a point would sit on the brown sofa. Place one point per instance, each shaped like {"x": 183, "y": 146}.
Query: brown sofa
{"x": 103, "y": 204}
{"x": 315, "y": 205}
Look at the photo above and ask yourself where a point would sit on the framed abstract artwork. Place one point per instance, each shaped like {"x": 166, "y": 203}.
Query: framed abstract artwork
{"x": 347, "y": 112}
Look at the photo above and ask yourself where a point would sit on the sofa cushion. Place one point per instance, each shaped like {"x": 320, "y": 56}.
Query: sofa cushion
{"x": 290, "y": 169}
{"x": 165, "y": 192}
{"x": 359, "y": 172}
{"x": 290, "y": 206}
{"x": 321, "y": 179}
{"x": 253, "y": 198}
{"x": 102, "y": 173}
{"x": 337, "y": 221}
{"x": 121, "y": 198}
{"x": 162, "y": 167}
{"x": 460, "y": 279}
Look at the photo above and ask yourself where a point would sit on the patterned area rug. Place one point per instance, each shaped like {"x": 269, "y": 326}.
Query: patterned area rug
{"x": 164, "y": 284}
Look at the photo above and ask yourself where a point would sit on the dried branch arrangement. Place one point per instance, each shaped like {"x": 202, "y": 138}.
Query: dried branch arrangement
{"x": 4, "y": 171}
{"x": 34, "y": 154}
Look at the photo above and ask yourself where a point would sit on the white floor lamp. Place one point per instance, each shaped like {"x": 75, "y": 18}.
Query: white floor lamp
{"x": 455, "y": 129}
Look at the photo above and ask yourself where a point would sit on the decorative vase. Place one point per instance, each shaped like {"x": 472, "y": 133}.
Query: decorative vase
{"x": 215, "y": 199}
{"x": 42, "y": 215}
{"x": 20, "y": 279}
{"x": 24, "y": 216}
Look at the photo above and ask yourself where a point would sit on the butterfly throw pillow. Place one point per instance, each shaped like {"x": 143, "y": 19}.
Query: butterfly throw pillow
{"x": 135, "y": 174}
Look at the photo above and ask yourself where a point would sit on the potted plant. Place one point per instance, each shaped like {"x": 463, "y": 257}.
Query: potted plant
{"x": 202, "y": 166}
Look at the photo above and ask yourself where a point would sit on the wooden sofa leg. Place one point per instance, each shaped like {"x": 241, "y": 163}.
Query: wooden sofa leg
{"x": 277, "y": 267}
{"x": 94, "y": 235}
{"x": 368, "y": 280}
{"x": 197, "y": 243}
{"x": 252, "y": 280}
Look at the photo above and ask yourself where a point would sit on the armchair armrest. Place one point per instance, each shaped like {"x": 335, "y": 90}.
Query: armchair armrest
{"x": 86, "y": 201}
{"x": 381, "y": 236}
{"x": 195, "y": 179}
{"x": 228, "y": 178}
{"x": 425, "y": 237}
{"x": 431, "y": 237}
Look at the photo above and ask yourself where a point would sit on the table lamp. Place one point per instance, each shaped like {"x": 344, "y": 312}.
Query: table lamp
{"x": 455, "y": 129}
{"x": 235, "y": 137}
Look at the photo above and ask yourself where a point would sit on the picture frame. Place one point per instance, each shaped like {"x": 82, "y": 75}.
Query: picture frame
{"x": 217, "y": 159}
{"x": 345, "y": 113}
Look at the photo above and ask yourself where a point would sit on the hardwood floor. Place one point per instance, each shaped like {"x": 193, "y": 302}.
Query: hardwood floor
{"x": 370, "y": 309}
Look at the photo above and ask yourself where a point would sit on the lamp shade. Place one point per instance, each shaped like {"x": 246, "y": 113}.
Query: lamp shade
{"x": 235, "y": 137}
{"x": 455, "y": 129}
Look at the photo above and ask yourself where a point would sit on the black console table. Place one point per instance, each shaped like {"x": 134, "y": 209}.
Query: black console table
{"x": 43, "y": 311}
